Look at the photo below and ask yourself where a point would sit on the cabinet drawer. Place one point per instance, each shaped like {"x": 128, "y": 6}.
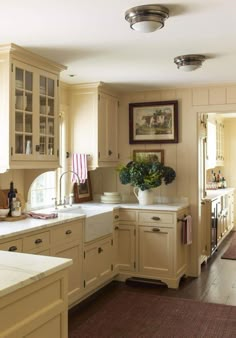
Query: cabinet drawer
{"x": 36, "y": 242}
{"x": 127, "y": 215}
{"x": 15, "y": 245}
{"x": 157, "y": 218}
{"x": 68, "y": 232}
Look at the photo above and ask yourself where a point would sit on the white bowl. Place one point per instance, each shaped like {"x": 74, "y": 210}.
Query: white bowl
{"x": 4, "y": 212}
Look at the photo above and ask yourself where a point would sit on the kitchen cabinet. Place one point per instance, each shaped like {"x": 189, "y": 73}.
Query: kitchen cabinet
{"x": 211, "y": 144}
{"x": 67, "y": 243}
{"x": 217, "y": 220}
{"x": 161, "y": 252}
{"x": 29, "y": 109}
{"x": 219, "y": 142}
{"x": 94, "y": 124}
{"x": 125, "y": 239}
{"x": 12, "y": 245}
{"x": 98, "y": 262}
{"x": 36, "y": 308}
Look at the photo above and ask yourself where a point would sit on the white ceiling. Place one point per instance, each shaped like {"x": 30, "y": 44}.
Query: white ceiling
{"x": 95, "y": 42}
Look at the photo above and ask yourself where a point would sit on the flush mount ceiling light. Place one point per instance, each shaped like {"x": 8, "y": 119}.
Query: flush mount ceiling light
{"x": 189, "y": 62}
{"x": 147, "y": 18}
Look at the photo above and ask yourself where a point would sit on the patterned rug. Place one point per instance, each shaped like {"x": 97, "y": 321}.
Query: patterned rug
{"x": 142, "y": 315}
{"x": 230, "y": 253}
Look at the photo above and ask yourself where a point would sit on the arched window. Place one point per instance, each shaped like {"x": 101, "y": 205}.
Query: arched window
{"x": 42, "y": 191}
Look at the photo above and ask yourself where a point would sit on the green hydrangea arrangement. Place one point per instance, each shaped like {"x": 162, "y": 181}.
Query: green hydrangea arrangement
{"x": 145, "y": 174}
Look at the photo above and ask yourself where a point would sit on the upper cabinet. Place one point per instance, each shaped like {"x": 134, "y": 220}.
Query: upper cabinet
{"x": 215, "y": 141}
{"x": 94, "y": 124}
{"x": 29, "y": 109}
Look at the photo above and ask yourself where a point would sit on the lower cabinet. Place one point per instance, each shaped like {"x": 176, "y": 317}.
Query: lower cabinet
{"x": 67, "y": 242}
{"x": 37, "y": 310}
{"x": 156, "y": 255}
{"x": 98, "y": 262}
{"x": 124, "y": 238}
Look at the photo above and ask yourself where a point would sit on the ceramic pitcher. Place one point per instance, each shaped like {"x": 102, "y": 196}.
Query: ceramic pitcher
{"x": 144, "y": 197}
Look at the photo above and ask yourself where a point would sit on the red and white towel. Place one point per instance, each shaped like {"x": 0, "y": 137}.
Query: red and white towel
{"x": 187, "y": 230}
{"x": 79, "y": 166}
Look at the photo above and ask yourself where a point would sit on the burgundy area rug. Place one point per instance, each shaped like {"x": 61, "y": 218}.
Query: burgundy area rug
{"x": 140, "y": 315}
{"x": 230, "y": 253}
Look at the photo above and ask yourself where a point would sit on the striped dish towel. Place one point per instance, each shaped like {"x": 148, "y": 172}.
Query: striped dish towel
{"x": 79, "y": 166}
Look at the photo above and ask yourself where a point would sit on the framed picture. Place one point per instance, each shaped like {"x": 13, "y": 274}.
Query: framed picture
{"x": 83, "y": 191}
{"x": 153, "y": 122}
{"x": 149, "y": 155}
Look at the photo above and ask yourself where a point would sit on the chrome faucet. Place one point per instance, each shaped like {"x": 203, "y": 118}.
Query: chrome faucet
{"x": 68, "y": 171}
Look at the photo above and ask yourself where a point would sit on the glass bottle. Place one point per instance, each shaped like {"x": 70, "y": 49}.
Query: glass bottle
{"x": 11, "y": 196}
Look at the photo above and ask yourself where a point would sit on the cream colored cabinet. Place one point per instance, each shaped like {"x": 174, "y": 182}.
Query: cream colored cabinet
{"x": 125, "y": 239}
{"x": 29, "y": 109}
{"x": 156, "y": 256}
{"x": 67, "y": 243}
{"x": 37, "y": 310}
{"x": 231, "y": 210}
{"x": 98, "y": 262}
{"x": 211, "y": 144}
{"x": 38, "y": 243}
{"x": 11, "y": 245}
{"x": 219, "y": 142}
{"x": 94, "y": 124}
{"x": 161, "y": 252}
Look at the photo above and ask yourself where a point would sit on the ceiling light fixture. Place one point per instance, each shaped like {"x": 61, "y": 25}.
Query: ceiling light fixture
{"x": 189, "y": 62}
{"x": 147, "y": 18}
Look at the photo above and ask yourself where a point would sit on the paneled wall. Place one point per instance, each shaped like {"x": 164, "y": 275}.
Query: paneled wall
{"x": 183, "y": 156}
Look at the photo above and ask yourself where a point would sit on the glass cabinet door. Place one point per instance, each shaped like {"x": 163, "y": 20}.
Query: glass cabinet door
{"x": 23, "y": 129}
{"x": 47, "y": 116}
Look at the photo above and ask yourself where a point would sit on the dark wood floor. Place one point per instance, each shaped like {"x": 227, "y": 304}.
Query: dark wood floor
{"x": 217, "y": 284}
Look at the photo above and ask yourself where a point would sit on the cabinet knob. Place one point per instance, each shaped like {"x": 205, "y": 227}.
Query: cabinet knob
{"x": 116, "y": 216}
{"x": 68, "y": 232}
{"x": 100, "y": 250}
{"x": 156, "y": 218}
{"x": 38, "y": 241}
{"x": 12, "y": 248}
{"x": 156, "y": 229}
{"x": 116, "y": 228}
{"x": 109, "y": 152}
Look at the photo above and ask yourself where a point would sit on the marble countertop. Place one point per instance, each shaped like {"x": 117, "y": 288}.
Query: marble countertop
{"x": 18, "y": 270}
{"x": 212, "y": 194}
{"x": 9, "y": 229}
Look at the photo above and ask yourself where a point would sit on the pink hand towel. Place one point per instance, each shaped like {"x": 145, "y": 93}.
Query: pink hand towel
{"x": 79, "y": 166}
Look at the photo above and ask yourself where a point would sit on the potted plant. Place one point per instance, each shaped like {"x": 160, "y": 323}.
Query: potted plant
{"x": 145, "y": 175}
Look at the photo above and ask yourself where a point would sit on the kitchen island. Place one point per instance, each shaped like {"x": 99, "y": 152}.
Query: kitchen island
{"x": 33, "y": 295}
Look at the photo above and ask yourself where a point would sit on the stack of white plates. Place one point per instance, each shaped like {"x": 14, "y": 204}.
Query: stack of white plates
{"x": 111, "y": 197}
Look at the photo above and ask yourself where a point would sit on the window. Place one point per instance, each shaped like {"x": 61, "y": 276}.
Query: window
{"x": 43, "y": 190}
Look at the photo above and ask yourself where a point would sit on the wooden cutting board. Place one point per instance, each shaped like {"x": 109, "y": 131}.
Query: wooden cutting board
{"x": 3, "y": 200}
{"x": 13, "y": 219}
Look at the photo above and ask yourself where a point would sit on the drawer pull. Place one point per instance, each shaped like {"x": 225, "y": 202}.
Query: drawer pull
{"x": 100, "y": 250}
{"x": 38, "y": 241}
{"x": 12, "y": 248}
{"x": 156, "y": 218}
{"x": 116, "y": 228}
{"x": 116, "y": 216}
{"x": 68, "y": 232}
{"x": 156, "y": 229}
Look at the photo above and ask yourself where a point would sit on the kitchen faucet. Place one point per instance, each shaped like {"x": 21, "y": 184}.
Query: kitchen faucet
{"x": 66, "y": 172}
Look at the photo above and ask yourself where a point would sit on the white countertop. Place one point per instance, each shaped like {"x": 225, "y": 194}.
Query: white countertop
{"x": 212, "y": 194}
{"x": 18, "y": 270}
{"x": 9, "y": 229}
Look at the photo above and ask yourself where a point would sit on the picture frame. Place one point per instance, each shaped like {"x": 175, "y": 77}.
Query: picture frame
{"x": 149, "y": 155}
{"x": 83, "y": 191}
{"x": 153, "y": 122}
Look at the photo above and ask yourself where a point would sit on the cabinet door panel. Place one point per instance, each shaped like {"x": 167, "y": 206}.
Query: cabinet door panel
{"x": 156, "y": 251}
{"x": 73, "y": 251}
{"x": 126, "y": 247}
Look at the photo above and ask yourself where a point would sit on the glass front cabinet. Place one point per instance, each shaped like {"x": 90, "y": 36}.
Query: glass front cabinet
{"x": 33, "y": 113}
